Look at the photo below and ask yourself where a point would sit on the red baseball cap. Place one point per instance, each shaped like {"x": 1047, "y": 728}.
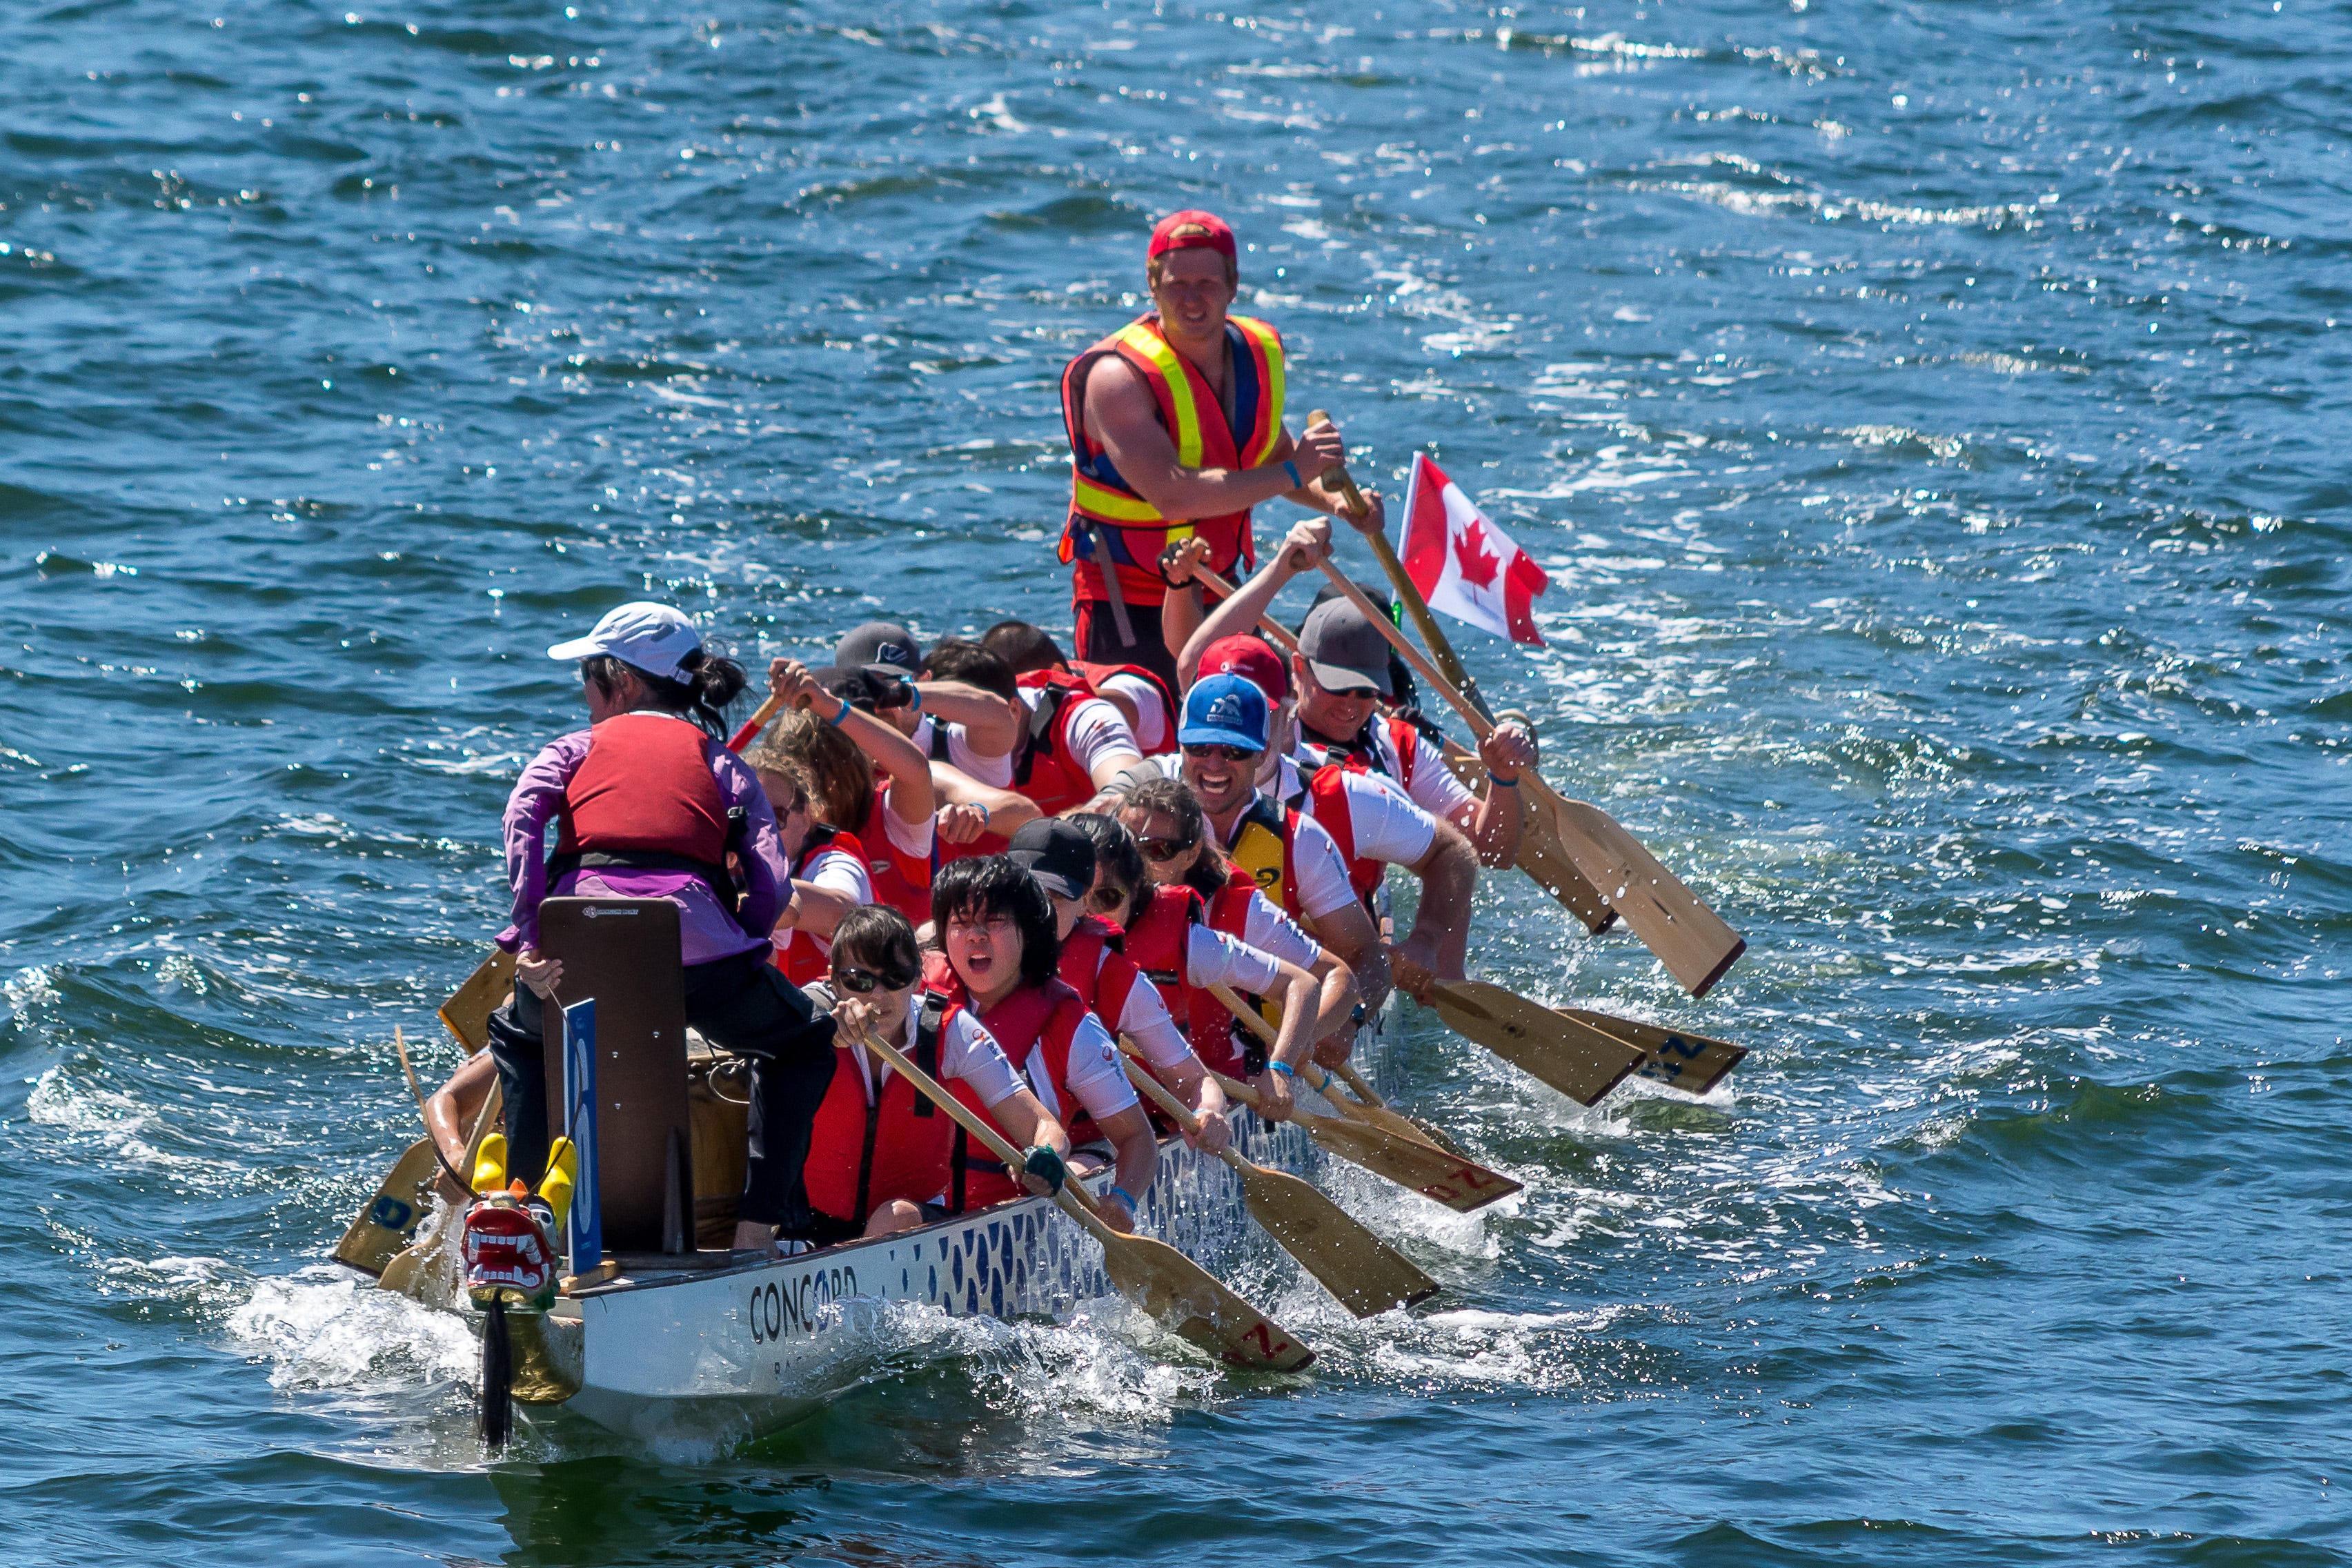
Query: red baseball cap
{"x": 1192, "y": 229}
{"x": 1251, "y": 660}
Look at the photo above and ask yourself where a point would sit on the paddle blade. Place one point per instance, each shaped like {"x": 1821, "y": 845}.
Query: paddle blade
{"x": 1392, "y": 1121}
{"x": 1694, "y": 1063}
{"x": 1197, "y": 1305}
{"x": 1541, "y": 855}
{"x": 1459, "y": 1184}
{"x": 1574, "y": 1057}
{"x": 466, "y": 1013}
{"x": 1688, "y": 937}
{"x": 1363, "y": 1271}
{"x": 389, "y": 1220}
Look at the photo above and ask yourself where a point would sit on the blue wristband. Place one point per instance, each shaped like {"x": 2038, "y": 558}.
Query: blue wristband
{"x": 1125, "y": 1198}
{"x": 1283, "y": 1068}
{"x": 1502, "y": 783}
{"x": 1292, "y": 469}
{"x": 840, "y": 713}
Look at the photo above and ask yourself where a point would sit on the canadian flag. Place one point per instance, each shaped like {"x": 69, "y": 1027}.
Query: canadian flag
{"x": 1464, "y": 564}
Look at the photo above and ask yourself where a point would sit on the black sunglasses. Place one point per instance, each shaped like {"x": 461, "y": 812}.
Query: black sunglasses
{"x": 1109, "y": 900}
{"x": 1229, "y": 753}
{"x": 863, "y": 981}
{"x": 1165, "y": 849}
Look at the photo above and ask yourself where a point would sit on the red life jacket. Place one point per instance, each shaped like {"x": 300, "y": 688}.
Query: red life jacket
{"x": 1094, "y": 675}
{"x": 1095, "y": 965}
{"x": 1130, "y": 530}
{"x": 799, "y": 958}
{"x": 1158, "y": 944}
{"x": 1327, "y": 802}
{"x": 1043, "y": 768}
{"x": 864, "y": 1153}
{"x": 900, "y": 880}
{"x": 1034, "y": 1020}
{"x": 1363, "y": 755}
{"x": 644, "y": 796}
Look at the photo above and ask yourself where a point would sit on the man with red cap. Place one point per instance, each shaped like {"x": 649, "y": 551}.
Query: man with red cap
{"x": 1176, "y": 433}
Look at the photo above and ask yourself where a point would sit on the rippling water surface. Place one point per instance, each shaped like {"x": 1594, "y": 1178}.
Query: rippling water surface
{"x": 1932, "y": 419}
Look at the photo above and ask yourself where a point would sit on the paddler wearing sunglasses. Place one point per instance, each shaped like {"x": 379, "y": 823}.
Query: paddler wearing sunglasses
{"x": 879, "y": 1153}
{"x": 996, "y": 927}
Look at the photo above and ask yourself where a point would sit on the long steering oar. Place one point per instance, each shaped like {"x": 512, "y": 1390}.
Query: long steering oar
{"x": 1688, "y": 937}
{"x": 1367, "y": 1274}
{"x": 1165, "y": 1283}
{"x": 1539, "y": 853}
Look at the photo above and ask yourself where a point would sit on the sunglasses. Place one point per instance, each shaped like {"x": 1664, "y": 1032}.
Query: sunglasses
{"x": 1225, "y": 753}
{"x": 1107, "y": 900}
{"x": 1165, "y": 849}
{"x": 863, "y": 981}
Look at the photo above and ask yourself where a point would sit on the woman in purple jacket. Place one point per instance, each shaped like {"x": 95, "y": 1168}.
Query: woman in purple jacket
{"x": 648, "y": 803}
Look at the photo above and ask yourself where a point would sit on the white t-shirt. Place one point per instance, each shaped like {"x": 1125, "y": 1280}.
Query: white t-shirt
{"x": 907, "y": 838}
{"x": 1151, "y": 708}
{"x": 967, "y": 1050}
{"x": 1097, "y": 731}
{"x": 1095, "y": 1076}
{"x": 1210, "y": 959}
{"x": 1435, "y": 789}
{"x": 835, "y": 870}
{"x": 1270, "y": 931}
{"x": 996, "y": 770}
{"x": 1388, "y": 827}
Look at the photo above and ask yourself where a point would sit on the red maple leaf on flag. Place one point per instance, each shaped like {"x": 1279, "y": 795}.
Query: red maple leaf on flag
{"x": 1477, "y": 563}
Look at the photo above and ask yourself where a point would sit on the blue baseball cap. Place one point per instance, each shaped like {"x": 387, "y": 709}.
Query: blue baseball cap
{"x": 1225, "y": 710}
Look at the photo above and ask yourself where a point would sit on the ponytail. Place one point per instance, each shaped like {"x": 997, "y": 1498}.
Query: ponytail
{"x": 711, "y": 683}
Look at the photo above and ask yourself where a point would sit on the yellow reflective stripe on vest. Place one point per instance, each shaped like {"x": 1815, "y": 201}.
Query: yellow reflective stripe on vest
{"x": 1111, "y": 506}
{"x": 1155, "y": 348}
{"x": 1270, "y": 394}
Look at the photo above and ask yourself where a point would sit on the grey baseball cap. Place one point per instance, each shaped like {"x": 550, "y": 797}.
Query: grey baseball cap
{"x": 880, "y": 643}
{"x": 1345, "y": 651}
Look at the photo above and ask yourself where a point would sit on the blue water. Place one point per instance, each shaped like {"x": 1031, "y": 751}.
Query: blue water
{"x": 1932, "y": 417}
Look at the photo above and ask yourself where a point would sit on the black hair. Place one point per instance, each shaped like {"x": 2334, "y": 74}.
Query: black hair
{"x": 1115, "y": 850}
{"x": 1024, "y": 647}
{"x": 711, "y": 683}
{"x": 1174, "y": 798}
{"x": 877, "y": 936}
{"x": 955, "y": 659}
{"x": 993, "y": 884}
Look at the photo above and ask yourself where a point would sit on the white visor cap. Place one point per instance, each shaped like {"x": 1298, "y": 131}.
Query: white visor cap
{"x": 649, "y": 636}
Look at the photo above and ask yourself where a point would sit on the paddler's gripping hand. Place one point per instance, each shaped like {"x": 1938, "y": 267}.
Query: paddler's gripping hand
{"x": 1043, "y": 1169}
{"x": 1507, "y": 750}
{"x": 539, "y": 975}
{"x": 1274, "y": 1100}
{"x": 1179, "y": 560}
{"x": 961, "y": 823}
{"x": 1307, "y": 547}
{"x": 790, "y": 683}
{"x": 1318, "y": 449}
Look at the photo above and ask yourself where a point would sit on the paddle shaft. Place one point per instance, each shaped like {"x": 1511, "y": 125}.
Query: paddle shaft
{"x": 1072, "y": 1196}
{"x": 1266, "y": 624}
{"x": 1256, "y": 1022}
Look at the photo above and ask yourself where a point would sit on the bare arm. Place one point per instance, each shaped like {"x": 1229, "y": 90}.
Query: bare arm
{"x": 1121, "y": 410}
{"x": 1306, "y": 548}
{"x": 450, "y": 1112}
{"x": 989, "y": 726}
{"x": 1493, "y": 825}
{"x": 1349, "y": 934}
{"x": 1028, "y": 1124}
{"x": 1440, "y": 940}
{"x": 1129, "y": 1131}
{"x": 908, "y": 770}
{"x": 1007, "y": 812}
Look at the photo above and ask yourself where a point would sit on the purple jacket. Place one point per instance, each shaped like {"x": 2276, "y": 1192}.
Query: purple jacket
{"x": 706, "y": 931}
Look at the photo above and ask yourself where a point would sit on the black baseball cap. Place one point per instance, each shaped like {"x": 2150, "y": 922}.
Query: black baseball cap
{"x": 880, "y": 643}
{"x": 1059, "y": 856}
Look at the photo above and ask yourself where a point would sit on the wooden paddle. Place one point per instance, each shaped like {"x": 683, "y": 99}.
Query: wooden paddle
{"x": 1369, "y": 1099}
{"x": 1694, "y": 1063}
{"x": 1691, "y": 939}
{"x": 1165, "y": 1283}
{"x": 466, "y": 1013}
{"x": 1574, "y": 1057}
{"x": 1363, "y": 1271}
{"x": 437, "y": 1256}
{"x": 1459, "y": 1184}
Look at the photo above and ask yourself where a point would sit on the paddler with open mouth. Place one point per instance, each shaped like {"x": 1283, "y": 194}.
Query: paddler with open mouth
{"x": 1176, "y": 433}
